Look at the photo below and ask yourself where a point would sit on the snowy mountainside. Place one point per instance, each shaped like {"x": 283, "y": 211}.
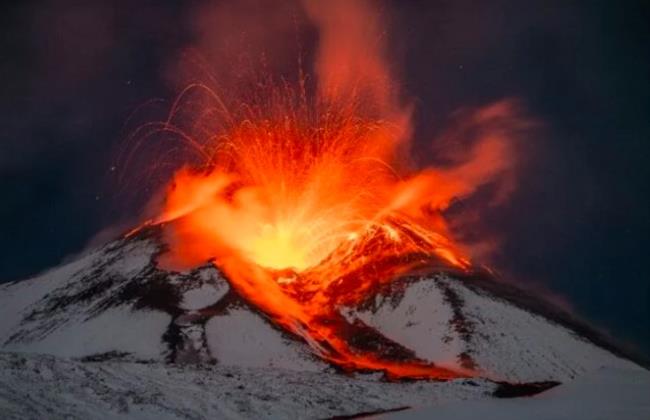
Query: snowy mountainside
{"x": 40, "y": 386}
{"x": 444, "y": 320}
{"x": 604, "y": 394}
{"x": 112, "y": 335}
{"x": 83, "y": 307}
{"x": 116, "y": 303}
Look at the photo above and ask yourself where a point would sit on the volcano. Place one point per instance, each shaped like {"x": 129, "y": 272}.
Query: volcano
{"x": 298, "y": 260}
{"x": 113, "y": 333}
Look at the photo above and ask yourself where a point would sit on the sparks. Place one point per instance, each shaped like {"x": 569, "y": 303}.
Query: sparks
{"x": 301, "y": 197}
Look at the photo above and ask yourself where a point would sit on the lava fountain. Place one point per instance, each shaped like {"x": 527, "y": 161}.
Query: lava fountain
{"x": 304, "y": 199}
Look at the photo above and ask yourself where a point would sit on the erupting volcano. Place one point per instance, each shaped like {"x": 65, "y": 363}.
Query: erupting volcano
{"x": 308, "y": 238}
{"x": 303, "y": 194}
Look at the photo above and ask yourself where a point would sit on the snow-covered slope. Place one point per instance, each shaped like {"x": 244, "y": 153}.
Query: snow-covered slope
{"x": 604, "y": 394}
{"x": 116, "y": 303}
{"x": 446, "y": 321}
{"x": 46, "y": 387}
{"x": 169, "y": 342}
{"x": 86, "y": 307}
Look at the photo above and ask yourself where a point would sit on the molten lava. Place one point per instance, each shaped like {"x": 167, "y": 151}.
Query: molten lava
{"x": 303, "y": 199}
{"x": 298, "y": 192}
{"x": 303, "y": 210}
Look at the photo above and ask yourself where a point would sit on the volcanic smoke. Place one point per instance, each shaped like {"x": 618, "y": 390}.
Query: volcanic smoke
{"x": 302, "y": 194}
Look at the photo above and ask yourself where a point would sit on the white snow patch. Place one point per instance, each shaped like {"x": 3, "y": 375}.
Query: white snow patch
{"x": 117, "y": 390}
{"x": 520, "y": 346}
{"x": 15, "y": 298}
{"x": 204, "y": 296}
{"x": 133, "y": 259}
{"x": 116, "y": 329}
{"x": 419, "y": 322}
{"x": 604, "y": 394}
{"x": 243, "y": 338}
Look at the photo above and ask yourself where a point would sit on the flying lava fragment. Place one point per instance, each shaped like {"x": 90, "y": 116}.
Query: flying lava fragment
{"x": 304, "y": 199}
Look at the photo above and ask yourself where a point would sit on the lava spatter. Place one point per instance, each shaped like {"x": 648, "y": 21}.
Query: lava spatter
{"x": 303, "y": 197}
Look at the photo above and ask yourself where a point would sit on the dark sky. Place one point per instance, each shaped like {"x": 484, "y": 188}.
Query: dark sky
{"x": 72, "y": 73}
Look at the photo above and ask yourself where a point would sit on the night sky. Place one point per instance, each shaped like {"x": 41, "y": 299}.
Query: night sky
{"x": 578, "y": 226}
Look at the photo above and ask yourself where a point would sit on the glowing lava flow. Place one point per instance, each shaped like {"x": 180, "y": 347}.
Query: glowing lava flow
{"x": 302, "y": 200}
{"x": 287, "y": 194}
{"x": 303, "y": 212}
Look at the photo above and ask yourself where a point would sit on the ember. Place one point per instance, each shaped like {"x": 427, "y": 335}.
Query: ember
{"x": 303, "y": 199}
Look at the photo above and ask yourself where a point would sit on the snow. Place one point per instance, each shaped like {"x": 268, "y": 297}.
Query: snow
{"x": 203, "y": 296}
{"x": 117, "y": 329}
{"x": 117, "y": 305}
{"x": 520, "y": 346}
{"x": 132, "y": 258}
{"x": 36, "y": 315}
{"x": 503, "y": 341}
{"x": 420, "y": 322}
{"x": 16, "y": 297}
{"x": 604, "y": 394}
{"x": 243, "y": 338}
{"x": 38, "y": 386}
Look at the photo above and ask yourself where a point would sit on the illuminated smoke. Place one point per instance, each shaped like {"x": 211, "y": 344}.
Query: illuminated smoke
{"x": 301, "y": 194}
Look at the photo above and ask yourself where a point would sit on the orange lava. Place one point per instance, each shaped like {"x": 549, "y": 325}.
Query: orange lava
{"x": 304, "y": 200}
{"x": 304, "y": 212}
